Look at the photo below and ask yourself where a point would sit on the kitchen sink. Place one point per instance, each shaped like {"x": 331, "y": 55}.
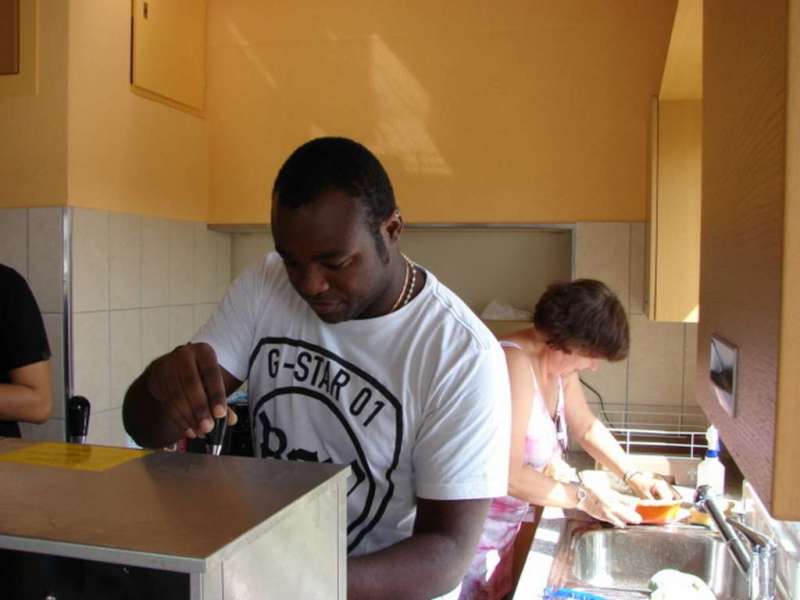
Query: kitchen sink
{"x": 622, "y": 561}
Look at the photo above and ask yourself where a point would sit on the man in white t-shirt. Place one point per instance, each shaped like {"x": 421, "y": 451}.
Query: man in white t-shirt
{"x": 354, "y": 355}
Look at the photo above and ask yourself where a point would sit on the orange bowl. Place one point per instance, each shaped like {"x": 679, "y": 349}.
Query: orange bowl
{"x": 658, "y": 512}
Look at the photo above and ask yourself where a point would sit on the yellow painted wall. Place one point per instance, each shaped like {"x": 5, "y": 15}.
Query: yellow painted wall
{"x": 683, "y": 71}
{"x": 33, "y": 126}
{"x": 126, "y": 153}
{"x": 512, "y": 111}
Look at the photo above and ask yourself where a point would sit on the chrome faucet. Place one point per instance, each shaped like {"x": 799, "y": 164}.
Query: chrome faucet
{"x": 759, "y": 563}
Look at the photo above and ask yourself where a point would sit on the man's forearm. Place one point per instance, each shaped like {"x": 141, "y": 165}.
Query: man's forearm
{"x": 144, "y": 417}
{"x": 423, "y": 566}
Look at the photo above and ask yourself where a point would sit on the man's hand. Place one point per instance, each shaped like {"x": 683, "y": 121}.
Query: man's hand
{"x": 188, "y": 384}
{"x": 178, "y": 395}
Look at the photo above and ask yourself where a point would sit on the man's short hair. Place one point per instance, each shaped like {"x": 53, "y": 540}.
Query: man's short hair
{"x": 583, "y": 316}
{"x": 336, "y": 164}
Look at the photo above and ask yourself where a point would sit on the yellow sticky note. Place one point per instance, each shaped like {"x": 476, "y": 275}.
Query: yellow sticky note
{"x": 72, "y": 456}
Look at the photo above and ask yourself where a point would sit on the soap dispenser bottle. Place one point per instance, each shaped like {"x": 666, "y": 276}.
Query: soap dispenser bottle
{"x": 711, "y": 471}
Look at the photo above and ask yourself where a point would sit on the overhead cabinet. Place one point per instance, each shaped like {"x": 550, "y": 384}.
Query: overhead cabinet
{"x": 674, "y": 215}
{"x": 675, "y": 174}
{"x": 750, "y": 272}
{"x": 168, "y": 53}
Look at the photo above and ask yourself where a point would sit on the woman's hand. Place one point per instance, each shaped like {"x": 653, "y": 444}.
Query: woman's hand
{"x": 647, "y": 486}
{"x": 604, "y": 504}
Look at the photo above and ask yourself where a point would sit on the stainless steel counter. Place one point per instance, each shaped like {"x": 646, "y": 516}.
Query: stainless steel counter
{"x": 533, "y": 579}
{"x": 180, "y": 512}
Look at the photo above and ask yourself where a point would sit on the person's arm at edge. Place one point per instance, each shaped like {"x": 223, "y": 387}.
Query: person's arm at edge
{"x": 153, "y": 424}
{"x": 431, "y": 562}
{"x": 524, "y": 481}
{"x": 29, "y": 396}
{"x": 590, "y": 432}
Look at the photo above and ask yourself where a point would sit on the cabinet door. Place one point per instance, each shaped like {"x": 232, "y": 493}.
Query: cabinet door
{"x": 749, "y": 289}
{"x": 674, "y": 215}
{"x": 168, "y": 51}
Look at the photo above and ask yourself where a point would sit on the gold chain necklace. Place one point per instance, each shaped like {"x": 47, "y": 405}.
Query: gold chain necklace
{"x": 397, "y": 304}
{"x": 410, "y": 291}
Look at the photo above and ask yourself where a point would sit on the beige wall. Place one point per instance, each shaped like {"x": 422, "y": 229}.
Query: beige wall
{"x": 489, "y": 112}
{"x": 479, "y": 264}
{"x": 653, "y": 388}
{"x": 33, "y": 148}
{"x": 127, "y": 153}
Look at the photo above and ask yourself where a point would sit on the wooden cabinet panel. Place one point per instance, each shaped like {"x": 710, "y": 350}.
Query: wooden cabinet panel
{"x": 787, "y": 417}
{"x": 20, "y": 47}
{"x": 748, "y": 282}
{"x": 674, "y": 216}
{"x": 168, "y": 50}
{"x": 9, "y": 37}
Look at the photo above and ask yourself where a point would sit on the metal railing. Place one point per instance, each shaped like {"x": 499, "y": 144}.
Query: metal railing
{"x": 685, "y": 443}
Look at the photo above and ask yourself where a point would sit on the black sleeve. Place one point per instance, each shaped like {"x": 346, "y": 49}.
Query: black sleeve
{"x": 23, "y": 339}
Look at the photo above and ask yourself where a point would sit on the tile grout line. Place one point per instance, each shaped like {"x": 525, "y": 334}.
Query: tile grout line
{"x": 27, "y": 260}
{"x": 141, "y": 296}
{"x": 628, "y": 360}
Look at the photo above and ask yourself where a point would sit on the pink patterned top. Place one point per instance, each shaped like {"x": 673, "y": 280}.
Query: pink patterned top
{"x": 489, "y": 576}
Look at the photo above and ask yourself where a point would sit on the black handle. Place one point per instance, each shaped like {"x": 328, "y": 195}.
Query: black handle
{"x": 215, "y": 438}
{"x": 78, "y": 411}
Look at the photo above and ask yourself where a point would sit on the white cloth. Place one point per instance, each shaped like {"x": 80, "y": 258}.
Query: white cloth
{"x": 416, "y": 401}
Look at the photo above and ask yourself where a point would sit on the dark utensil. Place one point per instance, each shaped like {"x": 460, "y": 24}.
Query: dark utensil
{"x": 216, "y": 436}
{"x": 78, "y": 411}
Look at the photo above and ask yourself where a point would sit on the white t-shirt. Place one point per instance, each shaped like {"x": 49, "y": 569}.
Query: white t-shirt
{"x": 415, "y": 401}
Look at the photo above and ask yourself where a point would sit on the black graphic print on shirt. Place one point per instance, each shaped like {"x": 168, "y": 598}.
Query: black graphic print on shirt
{"x": 313, "y": 405}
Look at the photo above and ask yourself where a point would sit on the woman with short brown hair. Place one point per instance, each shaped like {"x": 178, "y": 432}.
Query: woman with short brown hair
{"x": 576, "y": 326}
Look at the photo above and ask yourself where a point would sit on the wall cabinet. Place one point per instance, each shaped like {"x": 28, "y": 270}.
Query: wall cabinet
{"x": 676, "y": 140}
{"x": 673, "y": 224}
{"x": 168, "y": 51}
{"x": 750, "y": 273}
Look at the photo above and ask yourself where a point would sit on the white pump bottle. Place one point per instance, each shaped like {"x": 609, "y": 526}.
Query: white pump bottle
{"x": 711, "y": 471}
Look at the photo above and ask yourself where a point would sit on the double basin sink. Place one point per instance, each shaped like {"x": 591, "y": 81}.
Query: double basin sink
{"x": 618, "y": 563}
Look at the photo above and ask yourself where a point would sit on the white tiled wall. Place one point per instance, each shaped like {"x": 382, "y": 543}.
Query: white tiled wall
{"x": 654, "y": 387}
{"x": 46, "y": 257}
{"x": 141, "y": 286}
{"x": 30, "y": 242}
